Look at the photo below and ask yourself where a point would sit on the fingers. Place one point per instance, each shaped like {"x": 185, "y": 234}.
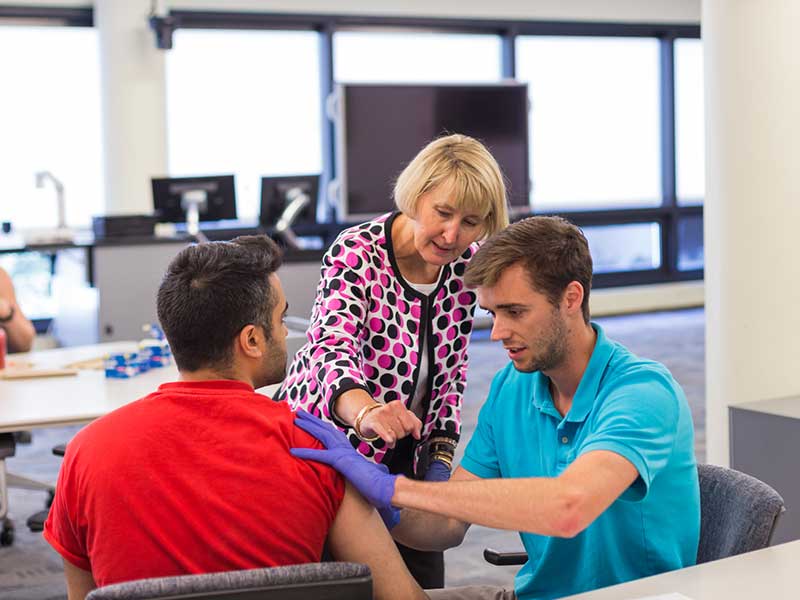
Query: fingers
{"x": 392, "y": 422}
{"x": 310, "y": 454}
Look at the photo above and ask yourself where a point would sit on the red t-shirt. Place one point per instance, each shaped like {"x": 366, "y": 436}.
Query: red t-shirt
{"x": 194, "y": 478}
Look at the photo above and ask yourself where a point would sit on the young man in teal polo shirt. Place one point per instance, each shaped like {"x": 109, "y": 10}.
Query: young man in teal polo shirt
{"x": 582, "y": 447}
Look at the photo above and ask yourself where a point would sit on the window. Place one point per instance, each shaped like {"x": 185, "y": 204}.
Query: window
{"x": 50, "y": 121}
{"x": 690, "y": 243}
{"x": 415, "y": 57}
{"x": 244, "y": 102}
{"x": 595, "y": 137}
{"x": 689, "y": 122}
{"x": 630, "y": 247}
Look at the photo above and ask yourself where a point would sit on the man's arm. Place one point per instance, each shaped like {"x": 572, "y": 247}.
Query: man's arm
{"x": 79, "y": 582}
{"x": 358, "y": 535}
{"x": 19, "y": 329}
{"x": 562, "y": 506}
{"x": 428, "y": 531}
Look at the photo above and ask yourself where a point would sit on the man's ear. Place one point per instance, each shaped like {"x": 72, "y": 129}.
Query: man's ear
{"x": 573, "y": 297}
{"x": 250, "y": 341}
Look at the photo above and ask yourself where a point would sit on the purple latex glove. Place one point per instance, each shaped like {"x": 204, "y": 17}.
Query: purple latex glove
{"x": 374, "y": 483}
{"x": 391, "y": 515}
{"x": 437, "y": 471}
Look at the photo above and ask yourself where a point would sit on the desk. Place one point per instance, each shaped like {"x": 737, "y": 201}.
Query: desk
{"x": 764, "y": 443}
{"x": 57, "y": 401}
{"x": 769, "y": 573}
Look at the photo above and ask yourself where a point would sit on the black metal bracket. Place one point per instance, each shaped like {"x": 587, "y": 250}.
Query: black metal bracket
{"x": 163, "y": 27}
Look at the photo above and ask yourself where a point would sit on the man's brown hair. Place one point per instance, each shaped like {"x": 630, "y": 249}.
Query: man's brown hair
{"x": 553, "y": 252}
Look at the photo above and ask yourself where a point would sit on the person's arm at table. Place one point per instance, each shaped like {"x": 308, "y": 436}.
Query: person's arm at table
{"x": 18, "y": 328}
{"x": 79, "y": 582}
{"x": 562, "y": 506}
{"x": 358, "y": 535}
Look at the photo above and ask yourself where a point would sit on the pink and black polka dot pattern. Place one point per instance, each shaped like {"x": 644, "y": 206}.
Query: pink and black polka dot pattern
{"x": 366, "y": 329}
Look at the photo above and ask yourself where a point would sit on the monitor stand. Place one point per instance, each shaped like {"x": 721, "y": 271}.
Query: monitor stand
{"x": 192, "y": 201}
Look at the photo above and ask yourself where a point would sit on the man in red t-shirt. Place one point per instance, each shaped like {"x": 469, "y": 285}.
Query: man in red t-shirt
{"x": 197, "y": 477}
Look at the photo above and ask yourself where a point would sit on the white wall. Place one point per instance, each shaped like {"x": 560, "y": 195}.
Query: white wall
{"x": 752, "y": 207}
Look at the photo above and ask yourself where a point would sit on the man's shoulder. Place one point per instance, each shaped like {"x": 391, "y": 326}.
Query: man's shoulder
{"x": 625, "y": 367}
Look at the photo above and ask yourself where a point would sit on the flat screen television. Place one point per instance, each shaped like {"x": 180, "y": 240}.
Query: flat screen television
{"x": 381, "y": 127}
{"x": 168, "y": 194}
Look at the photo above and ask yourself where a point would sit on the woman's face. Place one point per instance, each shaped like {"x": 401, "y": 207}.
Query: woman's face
{"x": 441, "y": 232}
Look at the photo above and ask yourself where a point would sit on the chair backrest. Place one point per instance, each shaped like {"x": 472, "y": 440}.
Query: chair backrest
{"x": 738, "y": 513}
{"x": 321, "y": 581}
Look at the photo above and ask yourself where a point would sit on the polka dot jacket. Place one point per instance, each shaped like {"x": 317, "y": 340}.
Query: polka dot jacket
{"x": 366, "y": 332}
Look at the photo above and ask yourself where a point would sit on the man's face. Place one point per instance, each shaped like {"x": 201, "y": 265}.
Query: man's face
{"x": 274, "y": 365}
{"x": 533, "y": 331}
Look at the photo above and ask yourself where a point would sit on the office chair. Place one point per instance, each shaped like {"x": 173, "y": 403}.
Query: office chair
{"x": 8, "y": 447}
{"x": 738, "y": 513}
{"x": 321, "y": 581}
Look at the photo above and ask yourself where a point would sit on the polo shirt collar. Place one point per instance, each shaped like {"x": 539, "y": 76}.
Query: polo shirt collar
{"x": 586, "y": 393}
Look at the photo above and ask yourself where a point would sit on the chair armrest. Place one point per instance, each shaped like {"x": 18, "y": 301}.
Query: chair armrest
{"x": 502, "y": 559}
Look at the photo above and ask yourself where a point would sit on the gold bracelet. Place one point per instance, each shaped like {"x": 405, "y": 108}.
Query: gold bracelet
{"x": 360, "y": 417}
{"x": 443, "y": 458}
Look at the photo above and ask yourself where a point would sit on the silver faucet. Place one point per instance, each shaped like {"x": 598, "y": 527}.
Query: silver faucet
{"x": 41, "y": 177}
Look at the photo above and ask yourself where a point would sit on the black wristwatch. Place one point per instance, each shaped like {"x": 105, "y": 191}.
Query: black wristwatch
{"x": 9, "y": 317}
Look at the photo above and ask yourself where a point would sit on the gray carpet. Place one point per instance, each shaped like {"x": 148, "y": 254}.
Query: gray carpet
{"x": 30, "y": 570}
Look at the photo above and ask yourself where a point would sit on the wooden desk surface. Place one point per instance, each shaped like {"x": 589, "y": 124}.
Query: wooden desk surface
{"x": 56, "y": 401}
{"x": 770, "y": 573}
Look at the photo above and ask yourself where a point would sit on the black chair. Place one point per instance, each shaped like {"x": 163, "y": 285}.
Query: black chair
{"x": 321, "y": 581}
{"x": 738, "y": 513}
{"x": 36, "y": 521}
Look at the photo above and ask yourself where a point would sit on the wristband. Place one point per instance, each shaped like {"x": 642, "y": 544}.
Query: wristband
{"x": 360, "y": 417}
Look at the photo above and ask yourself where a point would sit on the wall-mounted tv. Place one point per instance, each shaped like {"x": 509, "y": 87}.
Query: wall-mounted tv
{"x": 381, "y": 127}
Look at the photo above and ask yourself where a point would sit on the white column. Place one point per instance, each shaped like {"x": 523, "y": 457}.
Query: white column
{"x": 752, "y": 207}
{"x": 133, "y": 104}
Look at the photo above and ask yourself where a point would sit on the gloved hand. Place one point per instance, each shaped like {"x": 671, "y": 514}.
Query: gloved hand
{"x": 437, "y": 471}
{"x": 376, "y": 484}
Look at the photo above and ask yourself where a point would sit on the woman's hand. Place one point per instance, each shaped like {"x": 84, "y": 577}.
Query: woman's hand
{"x": 392, "y": 422}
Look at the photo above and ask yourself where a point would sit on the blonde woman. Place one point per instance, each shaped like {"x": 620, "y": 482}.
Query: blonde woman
{"x": 386, "y": 356}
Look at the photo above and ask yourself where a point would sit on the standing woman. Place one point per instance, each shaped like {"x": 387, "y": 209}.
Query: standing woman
{"x": 386, "y": 356}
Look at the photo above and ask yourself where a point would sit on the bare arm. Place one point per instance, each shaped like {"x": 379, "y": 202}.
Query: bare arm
{"x": 79, "y": 582}
{"x": 428, "y": 531}
{"x": 562, "y": 506}
{"x": 358, "y": 535}
{"x": 19, "y": 329}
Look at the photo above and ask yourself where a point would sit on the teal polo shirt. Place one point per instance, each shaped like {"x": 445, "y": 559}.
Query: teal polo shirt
{"x": 625, "y": 404}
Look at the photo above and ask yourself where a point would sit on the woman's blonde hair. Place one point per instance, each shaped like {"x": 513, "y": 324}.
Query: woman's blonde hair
{"x": 465, "y": 164}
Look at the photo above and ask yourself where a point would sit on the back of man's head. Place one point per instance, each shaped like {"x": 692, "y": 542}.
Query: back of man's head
{"x": 210, "y": 292}
{"x": 552, "y": 251}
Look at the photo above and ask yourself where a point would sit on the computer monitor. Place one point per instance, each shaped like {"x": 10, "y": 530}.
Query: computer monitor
{"x": 170, "y": 196}
{"x": 381, "y": 127}
{"x": 277, "y": 193}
